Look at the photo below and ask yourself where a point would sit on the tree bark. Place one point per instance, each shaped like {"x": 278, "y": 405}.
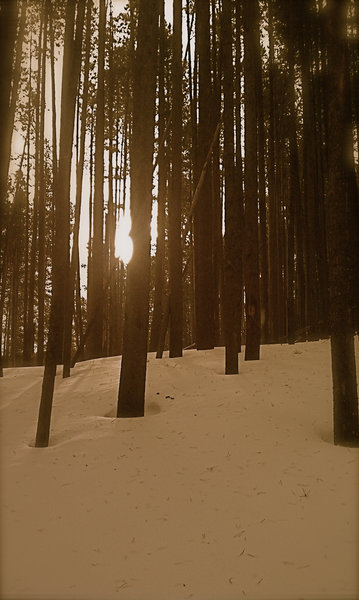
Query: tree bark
{"x": 41, "y": 190}
{"x": 162, "y": 192}
{"x": 175, "y": 203}
{"x": 96, "y": 291}
{"x": 131, "y": 397}
{"x": 345, "y": 395}
{"x": 60, "y": 268}
{"x": 251, "y": 260}
{"x": 203, "y": 214}
{"x": 79, "y": 181}
{"x": 232, "y": 266}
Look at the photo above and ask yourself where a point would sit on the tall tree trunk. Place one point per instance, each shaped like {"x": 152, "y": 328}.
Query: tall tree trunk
{"x": 60, "y": 270}
{"x": 310, "y": 191}
{"x": 216, "y": 183}
{"x": 263, "y": 238}
{"x": 273, "y": 300}
{"x": 111, "y": 219}
{"x": 30, "y": 338}
{"x": 251, "y": 261}
{"x": 41, "y": 190}
{"x": 131, "y": 397}
{"x": 175, "y": 203}
{"x": 96, "y": 291}
{"x": 232, "y": 266}
{"x": 239, "y": 165}
{"x": 79, "y": 182}
{"x": 203, "y": 216}
{"x": 345, "y": 395}
{"x": 294, "y": 200}
{"x": 161, "y": 200}
{"x": 27, "y": 219}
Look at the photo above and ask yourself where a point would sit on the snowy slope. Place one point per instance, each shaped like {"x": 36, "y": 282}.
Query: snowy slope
{"x": 229, "y": 488}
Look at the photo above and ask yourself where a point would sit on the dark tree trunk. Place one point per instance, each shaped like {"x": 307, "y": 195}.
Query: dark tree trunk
{"x": 60, "y": 269}
{"x": 345, "y": 395}
{"x": 96, "y": 291}
{"x": 263, "y": 238}
{"x": 175, "y": 202}
{"x": 232, "y": 266}
{"x": 273, "y": 300}
{"x": 294, "y": 200}
{"x": 131, "y": 397}
{"x": 79, "y": 181}
{"x": 251, "y": 262}
{"x": 239, "y": 166}
{"x": 203, "y": 215}
{"x": 40, "y": 187}
{"x": 161, "y": 200}
{"x": 112, "y": 308}
{"x": 310, "y": 191}
{"x": 30, "y": 319}
{"x": 216, "y": 182}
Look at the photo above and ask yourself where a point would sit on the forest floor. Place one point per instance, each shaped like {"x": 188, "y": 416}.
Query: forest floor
{"x": 229, "y": 488}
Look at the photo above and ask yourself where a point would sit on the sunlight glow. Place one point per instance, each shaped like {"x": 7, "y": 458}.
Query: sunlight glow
{"x": 123, "y": 242}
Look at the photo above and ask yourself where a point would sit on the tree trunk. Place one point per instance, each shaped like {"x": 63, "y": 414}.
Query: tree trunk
{"x": 251, "y": 262}
{"x": 232, "y": 274}
{"x": 273, "y": 300}
{"x": 96, "y": 291}
{"x": 41, "y": 190}
{"x": 294, "y": 200}
{"x": 161, "y": 199}
{"x": 175, "y": 203}
{"x": 131, "y": 397}
{"x": 239, "y": 166}
{"x": 203, "y": 215}
{"x": 79, "y": 181}
{"x": 345, "y": 396}
{"x": 60, "y": 269}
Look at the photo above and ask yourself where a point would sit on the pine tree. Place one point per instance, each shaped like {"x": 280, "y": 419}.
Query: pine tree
{"x": 60, "y": 264}
{"x": 96, "y": 288}
{"x": 175, "y": 202}
{"x": 131, "y": 397}
{"x": 203, "y": 214}
{"x": 345, "y": 395}
{"x": 251, "y": 264}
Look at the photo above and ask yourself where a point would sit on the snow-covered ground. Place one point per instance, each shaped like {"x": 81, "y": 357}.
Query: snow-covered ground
{"x": 229, "y": 488}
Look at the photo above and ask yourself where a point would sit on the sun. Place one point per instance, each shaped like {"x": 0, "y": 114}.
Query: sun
{"x": 123, "y": 241}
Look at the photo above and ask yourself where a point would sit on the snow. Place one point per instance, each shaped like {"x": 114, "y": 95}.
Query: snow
{"x": 229, "y": 488}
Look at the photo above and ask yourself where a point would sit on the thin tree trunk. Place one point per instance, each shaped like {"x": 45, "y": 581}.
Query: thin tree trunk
{"x": 35, "y": 217}
{"x": 110, "y": 250}
{"x": 79, "y": 181}
{"x": 41, "y": 188}
{"x": 232, "y": 275}
{"x": 161, "y": 200}
{"x": 294, "y": 199}
{"x": 239, "y": 165}
{"x": 216, "y": 183}
{"x": 175, "y": 203}
{"x": 96, "y": 291}
{"x": 251, "y": 260}
{"x": 273, "y": 299}
{"x": 263, "y": 239}
{"x": 25, "y": 352}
